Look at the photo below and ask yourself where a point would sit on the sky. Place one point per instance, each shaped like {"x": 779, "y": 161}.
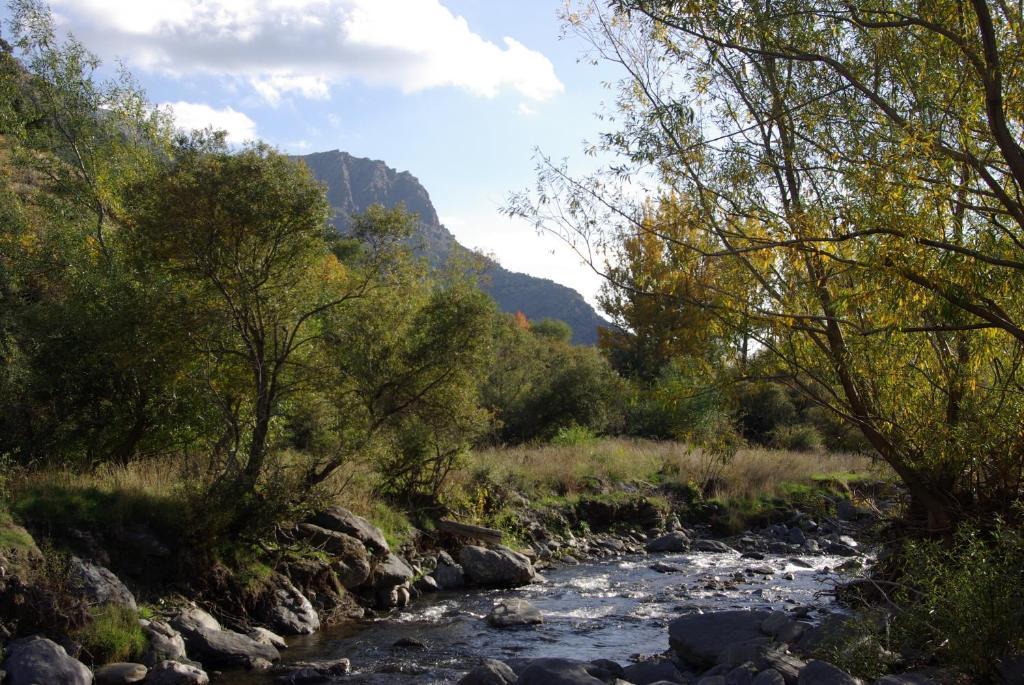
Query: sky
{"x": 458, "y": 92}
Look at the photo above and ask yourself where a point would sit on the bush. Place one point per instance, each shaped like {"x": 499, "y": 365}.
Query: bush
{"x": 800, "y": 437}
{"x": 573, "y": 436}
{"x": 763, "y": 408}
{"x": 113, "y": 635}
{"x": 961, "y": 603}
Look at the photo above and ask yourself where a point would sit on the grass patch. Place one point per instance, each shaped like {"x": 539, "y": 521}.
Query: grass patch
{"x": 113, "y": 634}
{"x": 13, "y": 537}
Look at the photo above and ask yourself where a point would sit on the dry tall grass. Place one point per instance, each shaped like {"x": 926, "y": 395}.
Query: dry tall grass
{"x": 751, "y": 472}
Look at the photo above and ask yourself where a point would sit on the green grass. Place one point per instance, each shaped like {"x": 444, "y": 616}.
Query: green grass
{"x": 393, "y": 523}
{"x": 113, "y": 635}
{"x": 14, "y": 537}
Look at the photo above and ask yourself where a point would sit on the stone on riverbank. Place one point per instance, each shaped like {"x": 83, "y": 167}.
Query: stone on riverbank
{"x": 448, "y": 574}
{"x": 490, "y": 672}
{"x": 344, "y": 521}
{"x": 497, "y": 567}
{"x": 175, "y": 673}
{"x": 165, "y": 643}
{"x": 824, "y": 673}
{"x": 214, "y": 647}
{"x": 121, "y": 674}
{"x": 713, "y": 546}
{"x": 676, "y": 541}
{"x": 700, "y": 639}
{"x": 564, "y": 672}
{"x": 100, "y": 585}
{"x": 302, "y": 672}
{"x": 514, "y": 613}
{"x": 38, "y": 661}
{"x": 654, "y": 671}
{"x": 291, "y": 613}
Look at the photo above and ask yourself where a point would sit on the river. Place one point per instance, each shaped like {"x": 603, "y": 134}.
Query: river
{"x": 612, "y": 609}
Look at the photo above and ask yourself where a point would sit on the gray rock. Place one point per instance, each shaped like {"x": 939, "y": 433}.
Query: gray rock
{"x": 797, "y": 561}
{"x": 497, "y": 567}
{"x": 824, "y": 673}
{"x": 175, "y": 673}
{"x": 713, "y": 546}
{"x": 352, "y": 571}
{"x": 38, "y": 661}
{"x": 291, "y": 613}
{"x": 699, "y": 639}
{"x": 121, "y": 674}
{"x": 769, "y": 676}
{"x": 712, "y": 680}
{"x": 775, "y": 622}
{"x": 165, "y": 644}
{"x": 426, "y": 585}
{"x": 392, "y": 572}
{"x": 307, "y": 672}
{"x": 448, "y": 574}
{"x": 840, "y": 550}
{"x": 330, "y": 541}
{"x": 663, "y": 567}
{"x": 490, "y": 672}
{"x": 676, "y": 541}
{"x": 99, "y": 585}
{"x": 741, "y": 675}
{"x": 514, "y": 613}
{"x": 918, "y": 678}
{"x": 796, "y": 537}
{"x": 194, "y": 618}
{"x": 753, "y": 650}
{"x": 227, "y": 649}
{"x": 268, "y": 637}
{"x": 564, "y": 672}
{"x": 344, "y": 521}
{"x": 653, "y": 671}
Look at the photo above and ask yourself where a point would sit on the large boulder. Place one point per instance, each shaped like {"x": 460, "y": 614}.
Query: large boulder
{"x": 676, "y": 541}
{"x": 564, "y": 672}
{"x": 291, "y": 613}
{"x": 38, "y": 661}
{"x": 121, "y": 674}
{"x": 344, "y": 521}
{"x": 165, "y": 643}
{"x": 700, "y": 639}
{"x": 99, "y": 585}
{"x": 175, "y": 673}
{"x": 712, "y": 546}
{"x": 497, "y": 567}
{"x": 330, "y": 541}
{"x": 490, "y": 672}
{"x": 514, "y": 613}
{"x": 214, "y": 647}
{"x": 352, "y": 570}
{"x": 392, "y": 572}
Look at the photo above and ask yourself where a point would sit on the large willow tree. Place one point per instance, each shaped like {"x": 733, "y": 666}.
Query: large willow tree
{"x": 860, "y": 163}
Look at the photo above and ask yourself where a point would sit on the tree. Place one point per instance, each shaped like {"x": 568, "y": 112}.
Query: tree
{"x": 245, "y": 235}
{"x": 855, "y": 166}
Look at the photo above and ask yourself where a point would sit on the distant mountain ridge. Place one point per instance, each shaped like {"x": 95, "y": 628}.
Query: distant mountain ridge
{"x": 355, "y": 183}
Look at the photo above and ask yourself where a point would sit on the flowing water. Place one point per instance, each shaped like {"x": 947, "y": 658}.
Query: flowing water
{"x": 610, "y": 609}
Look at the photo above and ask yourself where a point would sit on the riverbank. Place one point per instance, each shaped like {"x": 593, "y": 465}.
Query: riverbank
{"x": 336, "y": 567}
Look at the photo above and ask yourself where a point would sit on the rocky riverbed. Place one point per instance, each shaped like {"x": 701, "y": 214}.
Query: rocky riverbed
{"x": 646, "y": 601}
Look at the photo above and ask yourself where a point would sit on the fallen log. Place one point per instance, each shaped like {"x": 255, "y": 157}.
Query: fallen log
{"x": 467, "y": 530}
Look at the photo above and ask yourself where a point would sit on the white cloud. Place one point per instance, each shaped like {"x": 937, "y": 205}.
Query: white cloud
{"x": 526, "y": 110}
{"x": 302, "y": 47}
{"x": 194, "y": 115}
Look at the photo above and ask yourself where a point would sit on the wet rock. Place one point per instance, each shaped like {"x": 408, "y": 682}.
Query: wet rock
{"x": 309, "y": 672}
{"x": 653, "y": 671}
{"x": 291, "y": 613}
{"x": 699, "y": 639}
{"x": 756, "y": 556}
{"x": 776, "y": 622}
{"x": 514, "y": 613}
{"x": 712, "y": 680}
{"x": 99, "y": 585}
{"x": 797, "y": 561}
{"x": 664, "y": 567}
{"x": 741, "y": 675}
{"x": 768, "y": 676}
{"x": 427, "y": 585}
{"x": 38, "y": 661}
{"x": 763, "y": 570}
{"x": 824, "y": 673}
{"x": 490, "y": 672}
{"x": 267, "y": 637}
{"x": 175, "y": 673}
{"x": 738, "y": 653}
{"x": 713, "y": 546}
{"x": 497, "y": 567}
{"x": 165, "y": 643}
{"x": 676, "y": 541}
{"x": 921, "y": 678}
{"x": 841, "y": 550}
{"x": 408, "y": 643}
{"x": 569, "y": 560}
{"x": 121, "y": 674}
{"x": 448, "y": 574}
{"x": 564, "y": 672}
{"x": 796, "y": 537}
{"x": 344, "y": 521}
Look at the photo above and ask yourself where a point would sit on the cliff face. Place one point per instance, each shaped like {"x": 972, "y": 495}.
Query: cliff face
{"x": 355, "y": 183}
